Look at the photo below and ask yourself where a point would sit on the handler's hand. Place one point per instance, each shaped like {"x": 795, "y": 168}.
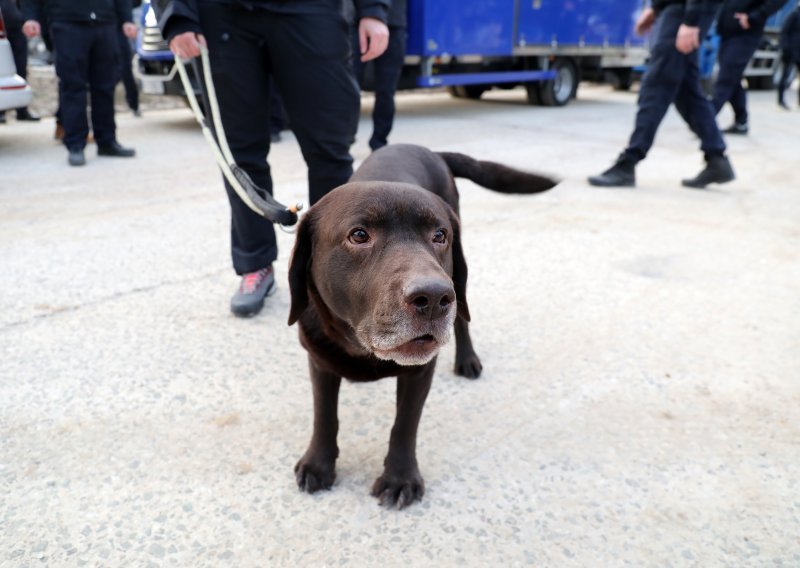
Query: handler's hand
{"x": 129, "y": 29}
{"x": 31, "y": 29}
{"x": 187, "y": 45}
{"x": 645, "y": 21}
{"x": 373, "y": 38}
{"x": 744, "y": 20}
{"x": 688, "y": 39}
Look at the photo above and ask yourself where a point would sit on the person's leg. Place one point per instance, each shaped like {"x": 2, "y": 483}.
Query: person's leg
{"x": 660, "y": 84}
{"x": 240, "y": 70}
{"x": 313, "y": 70}
{"x": 388, "y": 68}
{"x": 126, "y": 72}
{"x": 19, "y": 48}
{"x": 786, "y": 72}
{"x": 701, "y": 113}
{"x": 103, "y": 78}
{"x": 735, "y": 53}
{"x": 72, "y": 44}
{"x": 659, "y": 87}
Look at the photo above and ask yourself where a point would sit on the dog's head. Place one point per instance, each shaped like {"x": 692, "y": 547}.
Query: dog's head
{"x": 385, "y": 259}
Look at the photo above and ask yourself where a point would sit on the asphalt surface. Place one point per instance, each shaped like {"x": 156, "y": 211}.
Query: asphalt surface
{"x": 639, "y": 405}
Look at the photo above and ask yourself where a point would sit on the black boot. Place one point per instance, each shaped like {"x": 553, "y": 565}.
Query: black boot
{"x": 737, "y": 128}
{"x": 116, "y": 150}
{"x": 718, "y": 170}
{"x": 25, "y": 114}
{"x": 621, "y": 174}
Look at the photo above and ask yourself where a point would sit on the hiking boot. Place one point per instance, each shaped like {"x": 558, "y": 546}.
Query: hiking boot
{"x": 718, "y": 170}
{"x": 115, "y": 150}
{"x": 76, "y": 157}
{"x": 621, "y": 174}
{"x": 254, "y": 287}
{"x": 737, "y": 128}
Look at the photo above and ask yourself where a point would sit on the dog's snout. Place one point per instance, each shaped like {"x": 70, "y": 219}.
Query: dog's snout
{"x": 430, "y": 297}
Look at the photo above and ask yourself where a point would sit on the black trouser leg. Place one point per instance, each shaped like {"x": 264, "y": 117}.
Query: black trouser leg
{"x": 388, "y": 68}
{"x": 126, "y": 71}
{"x": 103, "y": 78}
{"x": 734, "y": 54}
{"x": 240, "y": 69}
{"x": 72, "y": 45}
{"x": 310, "y": 56}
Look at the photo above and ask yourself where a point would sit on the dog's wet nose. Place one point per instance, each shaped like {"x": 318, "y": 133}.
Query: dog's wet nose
{"x": 430, "y": 297}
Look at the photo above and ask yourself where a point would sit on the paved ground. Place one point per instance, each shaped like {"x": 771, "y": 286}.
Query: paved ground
{"x": 641, "y": 396}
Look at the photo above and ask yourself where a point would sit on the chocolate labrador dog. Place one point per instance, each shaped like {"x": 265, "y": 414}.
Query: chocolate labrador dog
{"x": 377, "y": 280}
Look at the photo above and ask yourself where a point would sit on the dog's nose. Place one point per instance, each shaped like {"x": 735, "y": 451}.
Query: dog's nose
{"x": 430, "y": 297}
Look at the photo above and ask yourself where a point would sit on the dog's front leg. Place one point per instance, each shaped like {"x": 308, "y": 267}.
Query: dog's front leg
{"x": 317, "y": 468}
{"x": 467, "y": 362}
{"x": 401, "y": 483}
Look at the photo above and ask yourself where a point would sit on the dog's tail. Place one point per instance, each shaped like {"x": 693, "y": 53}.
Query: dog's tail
{"x": 496, "y": 176}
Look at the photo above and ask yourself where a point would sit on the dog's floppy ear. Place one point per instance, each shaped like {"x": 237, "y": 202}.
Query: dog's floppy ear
{"x": 299, "y": 267}
{"x": 459, "y": 269}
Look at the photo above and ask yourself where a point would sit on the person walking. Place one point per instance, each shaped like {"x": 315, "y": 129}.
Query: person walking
{"x": 790, "y": 53}
{"x": 740, "y": 25}
{"x": 673, "y": 77}
{"x": 387, "y": 70}
{"x": 303, "y": 45}
{"x": 19, "y": 47}
{"x": 84, "y": 34}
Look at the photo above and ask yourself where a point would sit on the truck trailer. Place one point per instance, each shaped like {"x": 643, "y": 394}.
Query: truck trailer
{"x": 472, "y": 46}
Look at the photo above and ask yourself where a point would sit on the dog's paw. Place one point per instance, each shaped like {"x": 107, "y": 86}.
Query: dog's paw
{"x": 398, "y": 490}
{"x": 313, "y": 474}
{"x": 469, "y": 367}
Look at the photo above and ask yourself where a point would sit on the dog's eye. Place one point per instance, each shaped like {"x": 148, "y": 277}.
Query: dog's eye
{"x": 358, "y": 236}
{"x": 440, "y": 236}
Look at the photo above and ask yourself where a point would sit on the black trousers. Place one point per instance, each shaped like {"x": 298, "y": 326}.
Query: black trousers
{"x": 86, "y": 54}
{"x": 786, "y": 74}
{"x": 673, "y": 77}
{"x": 734, "y": 54}
{"x": 19, "y": 47}
{"x": 308, "y": 57}
{"x": 387, "y": 69}
{"x": 126, "y": 71}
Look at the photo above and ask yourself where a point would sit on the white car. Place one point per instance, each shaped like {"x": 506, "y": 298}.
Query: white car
{"x": 14, "y": 91}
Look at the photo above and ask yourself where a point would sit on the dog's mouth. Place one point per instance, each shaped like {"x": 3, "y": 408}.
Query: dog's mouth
{"x": 417, "y": 351}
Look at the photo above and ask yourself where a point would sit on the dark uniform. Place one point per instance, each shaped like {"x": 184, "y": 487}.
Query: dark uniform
{"x": 19, "y": 47}
{"x": 387, "y": 68}
{"x": 84, "y": 35}
{"x": 304, "y": 46}
{"x": 790, "y": 50}
{"x": 673, "y": 77}
{"x": 736, "y": 48}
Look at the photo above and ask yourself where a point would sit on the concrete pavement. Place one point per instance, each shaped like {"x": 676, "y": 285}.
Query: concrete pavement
{"x": 639, "y": 405}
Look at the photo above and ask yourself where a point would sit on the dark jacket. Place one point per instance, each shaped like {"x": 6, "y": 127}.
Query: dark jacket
{"x": 88, "y": 11}
{"x": 790, "y": 35}
{"x": 179, "y": 16}
{"x": 12, "y": 15}
{"x": 758, "y": 11}
{"x": 695, "y": 9}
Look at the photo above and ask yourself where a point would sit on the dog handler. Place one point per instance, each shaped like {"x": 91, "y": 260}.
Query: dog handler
{"x": 673, "y": 76}
{"x": 303, "y": 45}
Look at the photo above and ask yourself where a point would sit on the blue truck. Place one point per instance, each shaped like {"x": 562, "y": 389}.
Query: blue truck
{"x": 472, "y": 46}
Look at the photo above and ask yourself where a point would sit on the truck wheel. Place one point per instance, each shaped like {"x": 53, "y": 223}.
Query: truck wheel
{"x": 560, "y": 90}
{"x": 455, "y": 92}
{"x": 533, "y": 93}
{"x": 468, "y": 91}
{"x": 619, "y": 79}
